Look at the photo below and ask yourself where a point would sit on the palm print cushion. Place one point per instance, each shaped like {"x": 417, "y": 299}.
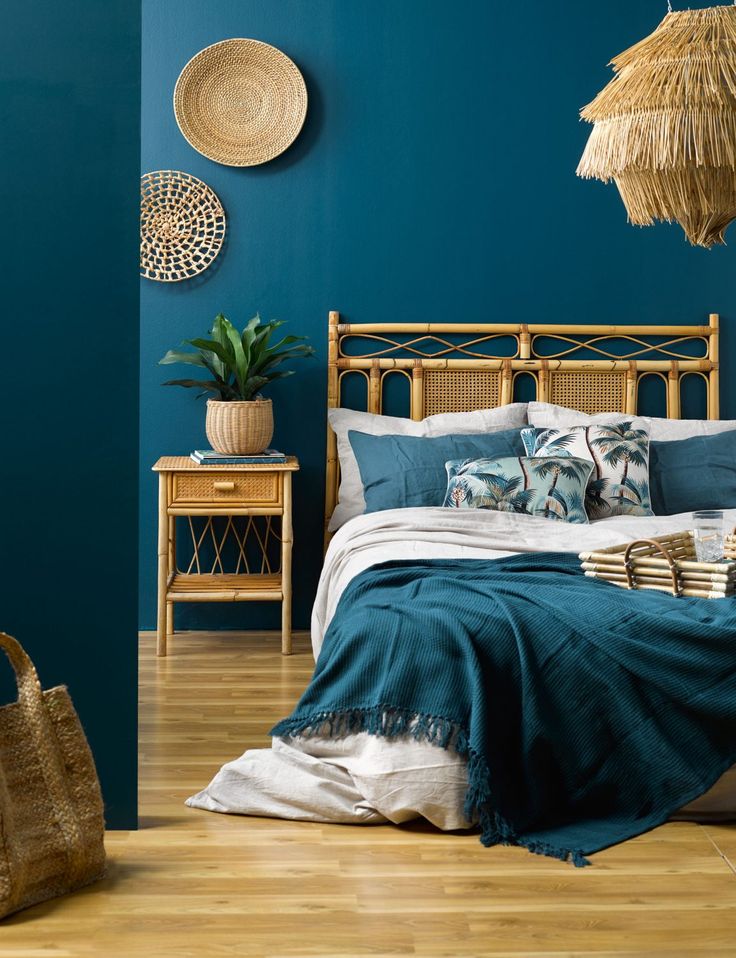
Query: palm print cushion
{"x": 619, "y": 481}
{"x": 552, "y": 487}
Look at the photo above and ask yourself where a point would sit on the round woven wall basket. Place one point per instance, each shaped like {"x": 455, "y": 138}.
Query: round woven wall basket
{"x": 240, "y": 102}
{"x": 182, "y": 226}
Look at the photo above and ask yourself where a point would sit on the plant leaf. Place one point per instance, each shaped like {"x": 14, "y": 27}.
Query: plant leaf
{"x": 287, "y": 341}
{"x": 270, "y": 377}
{"x": 240, "y": 361}
{"x": 252, "y": 385}
{"x": 276, "y": 359}
{"x": 249, "y": 334}
{"x": 217, "y": 334}
{"x": 268, "y": 351}
{"x": 222, "y": 388}
{"x": 217, "y": 331}
{"x": 221, "y": 333}
{"x": 260, "y": 343}
{"x": 177, "y": 356}
{"x": 211, "y": 346}
{"x": 213, "y": 366}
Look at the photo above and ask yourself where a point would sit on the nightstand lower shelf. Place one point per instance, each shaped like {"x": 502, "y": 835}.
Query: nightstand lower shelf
{"x": 218, "y": 587}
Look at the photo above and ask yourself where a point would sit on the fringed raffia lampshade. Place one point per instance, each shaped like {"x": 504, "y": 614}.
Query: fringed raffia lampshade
{"x": 665, "y": 127}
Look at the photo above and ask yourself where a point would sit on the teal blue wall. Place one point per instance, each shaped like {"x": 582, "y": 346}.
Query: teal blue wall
{"x": 434, "y": 180}
{"x": 69, "y": 116}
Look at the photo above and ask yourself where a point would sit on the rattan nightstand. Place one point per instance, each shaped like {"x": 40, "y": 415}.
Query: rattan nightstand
{"x": 233, "y": 552}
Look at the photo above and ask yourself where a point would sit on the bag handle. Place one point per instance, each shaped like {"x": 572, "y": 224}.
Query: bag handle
{"x": 43, "y": 737}
{"x": 629, "y": 564}
{"x": 29, "y": 686}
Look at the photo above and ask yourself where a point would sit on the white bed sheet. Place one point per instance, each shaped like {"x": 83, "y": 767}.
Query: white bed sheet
{"x": 361, "y": 779}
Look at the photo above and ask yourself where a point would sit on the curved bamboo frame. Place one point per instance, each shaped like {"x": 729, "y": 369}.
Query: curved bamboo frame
{"x": 449, "y": 376}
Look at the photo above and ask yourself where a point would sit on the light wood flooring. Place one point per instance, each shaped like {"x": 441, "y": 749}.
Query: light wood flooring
{"x": 191, "y": 883}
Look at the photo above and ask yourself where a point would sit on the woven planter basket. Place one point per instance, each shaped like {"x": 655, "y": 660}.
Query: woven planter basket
{"x": 240, "y": 102}
{"x": 664, "y": 129}
{"x": 239, "y": 428}
{"x": 51, "y": 816}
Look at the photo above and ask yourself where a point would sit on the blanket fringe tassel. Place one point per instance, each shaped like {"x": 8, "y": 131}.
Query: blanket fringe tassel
{"x": 389, "y": 722}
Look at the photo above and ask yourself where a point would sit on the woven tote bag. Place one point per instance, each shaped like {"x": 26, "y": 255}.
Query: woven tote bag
{"x": 51, "y": 815}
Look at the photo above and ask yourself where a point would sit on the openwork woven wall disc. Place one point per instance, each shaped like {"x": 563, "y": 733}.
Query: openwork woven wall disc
{"x": 240, "y": 102}
{"x": 664, "y": 129}
{"x": 182, "y": 226}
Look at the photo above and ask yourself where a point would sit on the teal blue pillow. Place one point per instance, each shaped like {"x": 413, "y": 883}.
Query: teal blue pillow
{"x": 551, "y": 487}
{"x": 399, "y": 472}
{"x": 695, "y": 473}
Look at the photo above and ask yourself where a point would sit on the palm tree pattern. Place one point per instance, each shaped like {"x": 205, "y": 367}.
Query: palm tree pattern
{"x": 552, "y": 468}
{"x": 551, "y": 487}
{"x": 619, "y": 453}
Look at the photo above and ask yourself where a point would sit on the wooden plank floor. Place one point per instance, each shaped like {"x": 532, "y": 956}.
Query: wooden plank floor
{"x": 191, "y": 883}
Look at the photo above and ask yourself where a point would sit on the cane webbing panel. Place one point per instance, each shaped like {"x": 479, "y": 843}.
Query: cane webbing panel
{"x": 460, "y": 390}
{"x": 254, "y": 488}
{"x": 589, "y": 392}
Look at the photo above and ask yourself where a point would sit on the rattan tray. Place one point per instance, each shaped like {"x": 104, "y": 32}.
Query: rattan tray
{"x": 664, "y": 564}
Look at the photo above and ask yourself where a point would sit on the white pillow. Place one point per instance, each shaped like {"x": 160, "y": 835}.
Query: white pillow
{"x": 546, "y": 415}
{"x": 350, "y": 500}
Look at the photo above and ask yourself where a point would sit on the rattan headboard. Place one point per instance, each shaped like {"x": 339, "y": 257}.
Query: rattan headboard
{"x": 459, "y": 367}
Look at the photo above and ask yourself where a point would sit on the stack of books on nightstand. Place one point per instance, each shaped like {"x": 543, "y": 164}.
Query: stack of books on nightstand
{"x": 208, "y": 457}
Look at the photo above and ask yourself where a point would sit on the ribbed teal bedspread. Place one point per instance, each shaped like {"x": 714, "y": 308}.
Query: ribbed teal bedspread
{"x": 588, "y": 714}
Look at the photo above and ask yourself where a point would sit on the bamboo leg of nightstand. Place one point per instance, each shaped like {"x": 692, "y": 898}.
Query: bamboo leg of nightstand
{"x": 287, "y": 538}
{"x": 172, "y": 568}
{"x": 163, "y": 565}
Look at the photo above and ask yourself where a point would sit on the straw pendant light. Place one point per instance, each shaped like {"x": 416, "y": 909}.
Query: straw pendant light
{"x": 664, "y": 129}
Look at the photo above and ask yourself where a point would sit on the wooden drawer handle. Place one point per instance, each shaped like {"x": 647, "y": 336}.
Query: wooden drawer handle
{"x": 223, "y": 486}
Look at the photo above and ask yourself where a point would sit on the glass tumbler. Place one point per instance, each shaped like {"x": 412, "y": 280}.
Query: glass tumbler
{"x": 708, "y": 529}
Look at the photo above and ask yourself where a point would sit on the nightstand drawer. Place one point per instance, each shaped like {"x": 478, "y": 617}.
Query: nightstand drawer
{"x": 258, "y": 488}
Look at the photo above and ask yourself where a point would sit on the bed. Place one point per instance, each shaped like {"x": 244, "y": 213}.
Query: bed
{"x": 356, "y": 775}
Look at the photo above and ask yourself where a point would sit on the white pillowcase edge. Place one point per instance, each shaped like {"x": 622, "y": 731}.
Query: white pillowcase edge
{"x": 350, "y": 501}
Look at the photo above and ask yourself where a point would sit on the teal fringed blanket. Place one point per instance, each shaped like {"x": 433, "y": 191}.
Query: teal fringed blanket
{"x": 588, "y": 714}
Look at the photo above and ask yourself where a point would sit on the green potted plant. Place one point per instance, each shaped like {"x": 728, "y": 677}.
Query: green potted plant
{"x": 239, "y": 420}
